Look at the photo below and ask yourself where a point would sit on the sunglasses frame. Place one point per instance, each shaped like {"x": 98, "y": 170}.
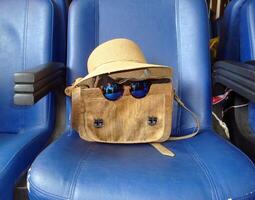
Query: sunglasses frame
{"x": 122, "y": 89}
{"x": 103, "y": 80}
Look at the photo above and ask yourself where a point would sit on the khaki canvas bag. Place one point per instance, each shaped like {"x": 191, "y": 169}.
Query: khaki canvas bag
{"x": 127, "y": 120}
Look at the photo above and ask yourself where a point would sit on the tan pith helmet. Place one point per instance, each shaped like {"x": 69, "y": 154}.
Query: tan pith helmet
{"x": 120, "y": 58}
{"x": 115, "y": 56}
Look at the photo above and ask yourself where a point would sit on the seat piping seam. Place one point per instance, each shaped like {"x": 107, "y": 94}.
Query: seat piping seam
{"x": 77, "y": 171}
{"x": 205, "y": 171}
{"x": 43, "y": 192}
{"x": 250, "y": 38}
{"x": 178, "y": 41}
{"x": 24, "y": 50}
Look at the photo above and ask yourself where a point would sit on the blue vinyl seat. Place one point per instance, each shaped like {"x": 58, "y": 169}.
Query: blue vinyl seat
{"x": 237, "y": 43}
{"x": 32, "y": 32}
{"x": 170, "y": 32}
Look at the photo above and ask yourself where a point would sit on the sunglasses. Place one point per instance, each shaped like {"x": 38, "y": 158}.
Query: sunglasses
{"x": 138, "y": 89}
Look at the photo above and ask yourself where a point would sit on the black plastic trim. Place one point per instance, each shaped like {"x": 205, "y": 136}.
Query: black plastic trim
{"x": 239, "y": 77}
{"x": 31, "y": 86}
{"x": 38, "y": 73}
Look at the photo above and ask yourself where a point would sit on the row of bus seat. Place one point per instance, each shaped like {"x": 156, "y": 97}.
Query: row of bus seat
{"x": 33, "y": 36}
{"x": 32, "y": 32}
{"x": 237, "y": 48}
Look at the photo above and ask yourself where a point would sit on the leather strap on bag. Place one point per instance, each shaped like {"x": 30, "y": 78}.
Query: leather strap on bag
{"x": 165, "y": 151}
{"x": 162, "y": 149}
{"x": 197, "y": 128}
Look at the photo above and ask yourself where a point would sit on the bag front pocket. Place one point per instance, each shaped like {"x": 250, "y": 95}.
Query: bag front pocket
{"x": 127, "y": 120}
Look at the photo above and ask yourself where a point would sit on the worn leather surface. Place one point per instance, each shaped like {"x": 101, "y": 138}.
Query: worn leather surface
{"x": 230, "y": 31}
{"x": 237, "y": 31}
{"x": 27, "y": 38}
{"x": 205, "y": 167}
{"x": 247, "y": 32}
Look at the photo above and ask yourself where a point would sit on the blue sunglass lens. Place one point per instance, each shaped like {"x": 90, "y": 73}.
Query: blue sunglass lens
{"x": 113, "y": 91}
{"x": 139, "y": 89}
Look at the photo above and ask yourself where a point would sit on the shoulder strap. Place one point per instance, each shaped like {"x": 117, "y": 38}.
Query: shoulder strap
{"x": 162, "y": 149}
{"x": 167, "y": 152}
{"x": 197, "y": 128}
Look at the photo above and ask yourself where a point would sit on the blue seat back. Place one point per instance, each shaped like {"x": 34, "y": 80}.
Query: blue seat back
{"x": 247, "y": 47}
{"x": 32, "y": 32}
{"x": 229, "y": 47}
{"x": 237, "y": 41}
{"x": 165, "y": 33}
{"x": 247, "y": 31}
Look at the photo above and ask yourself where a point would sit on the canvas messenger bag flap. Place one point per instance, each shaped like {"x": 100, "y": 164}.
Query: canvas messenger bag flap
{"x": 124, "y": 99}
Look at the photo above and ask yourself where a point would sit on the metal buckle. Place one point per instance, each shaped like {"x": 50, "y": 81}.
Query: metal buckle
{"x": 152, "y": 121}
{"x": 98, "y": 123}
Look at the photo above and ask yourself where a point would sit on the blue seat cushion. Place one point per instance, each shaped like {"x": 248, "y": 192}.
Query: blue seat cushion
{"x": 17, "y": 151}
{"x": 205, "y": 167}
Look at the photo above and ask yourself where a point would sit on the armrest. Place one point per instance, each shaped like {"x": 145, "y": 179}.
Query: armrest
{"x": 32, "y": 85}
{"x": 239, "y": 77}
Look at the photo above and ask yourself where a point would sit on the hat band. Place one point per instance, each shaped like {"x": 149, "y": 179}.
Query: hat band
{"x": 113, "y": 61}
